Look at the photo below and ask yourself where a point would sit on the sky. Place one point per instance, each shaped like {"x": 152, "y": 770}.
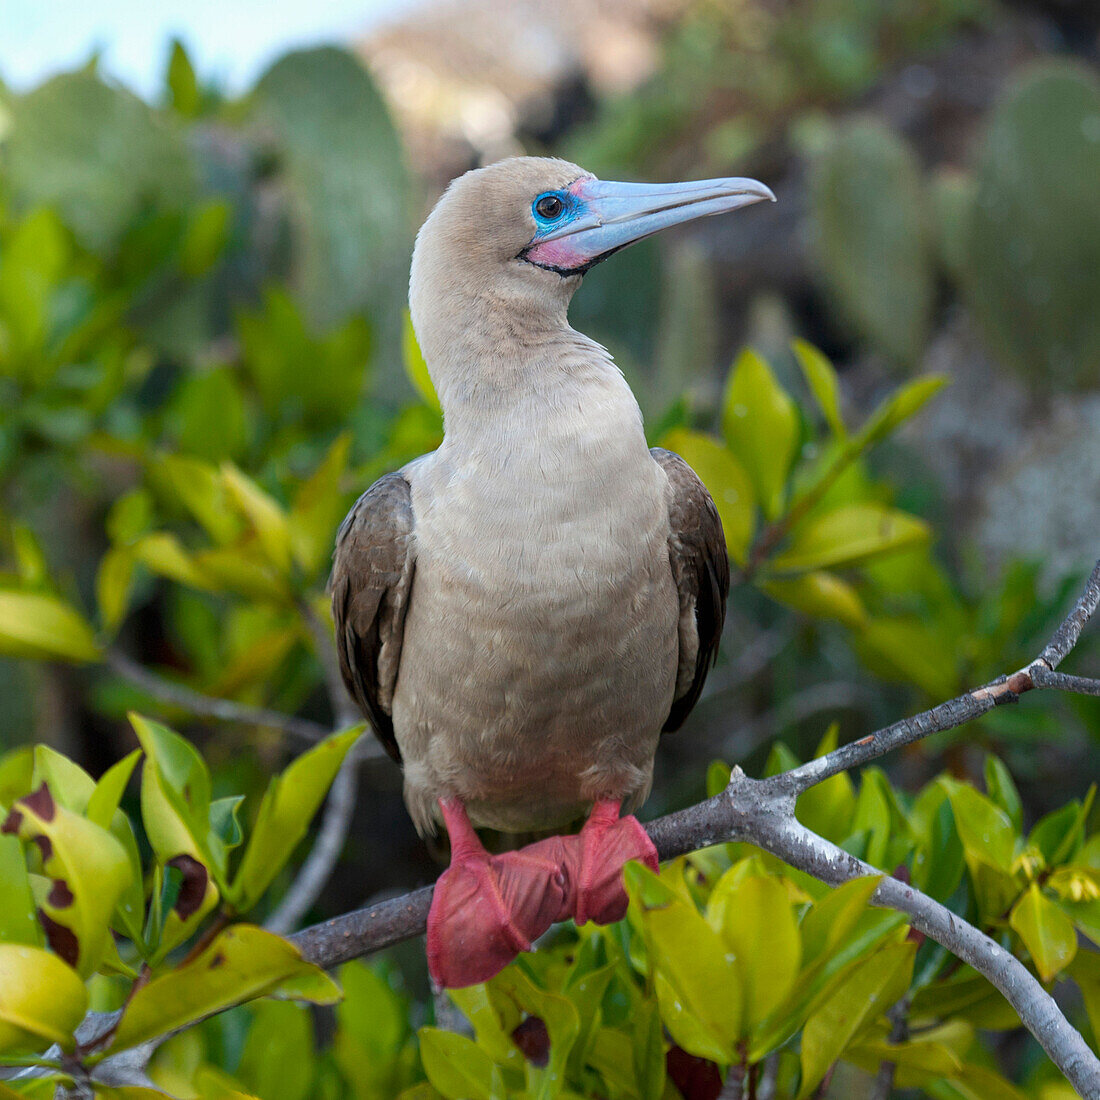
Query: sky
{"x": 232, "y": 41}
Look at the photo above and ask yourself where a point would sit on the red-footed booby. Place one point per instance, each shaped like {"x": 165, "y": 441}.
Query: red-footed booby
{"x": 522, "y": 612}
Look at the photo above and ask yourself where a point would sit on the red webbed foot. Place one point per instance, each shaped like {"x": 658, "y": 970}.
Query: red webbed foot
{"x": 601, "y": 849}
{"x": 487, "y": 909}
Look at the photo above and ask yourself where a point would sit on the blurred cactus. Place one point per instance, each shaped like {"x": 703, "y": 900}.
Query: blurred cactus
{"x": 340, "y": 160}
{"x": 96, "y": 153}
{"x": 872, "y": 245}
{"x": 953, "y": 194}
{"x": 1032, "y": 269}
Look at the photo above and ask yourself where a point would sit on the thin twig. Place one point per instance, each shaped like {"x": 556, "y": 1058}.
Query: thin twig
{"x": 209, "y": 706}
{"x": 899, "y": 1033}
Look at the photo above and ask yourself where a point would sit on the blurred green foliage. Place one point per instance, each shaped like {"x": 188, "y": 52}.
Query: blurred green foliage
{"x": 202, "y": 336}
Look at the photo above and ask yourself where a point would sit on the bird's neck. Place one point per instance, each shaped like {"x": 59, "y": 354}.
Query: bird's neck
{"x": 504, "y": 375}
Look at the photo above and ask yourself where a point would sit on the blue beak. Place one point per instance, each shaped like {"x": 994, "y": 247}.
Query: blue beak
{"x": 598, "y": 217}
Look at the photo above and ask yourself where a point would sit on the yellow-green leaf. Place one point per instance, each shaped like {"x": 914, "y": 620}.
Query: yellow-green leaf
{"x": 698, "y": 980}
{"x": 1047, "y": 932}
{"x": 760, "y": 423}
{"x": 241, "y": 963}
{"x": 822, "y": 380}
{"x": 868, "y": 991}
{"x": 755, "y": 919}
{"x": 264, "y": 514}
{"x": 41, "y": 999}
{"x": 898, "y": 408}
{"x": 88, "y": 868}
{"x": 33, "y": 624}
{"x": 727, "y": 483}
{"x": 18, "y": 921}
{"x": 848, "y": 535}
{"x": 113, "y": 582}
{"x": 820, "y": 594}
{"x": 319, "y": 507}
{"x": 458, "y": 1067}
{"x": 163, "y": 553}
{"x": 288, "y": 806}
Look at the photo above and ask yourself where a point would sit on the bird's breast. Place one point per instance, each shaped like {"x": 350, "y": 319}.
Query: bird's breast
{"x": 545, "y": 599}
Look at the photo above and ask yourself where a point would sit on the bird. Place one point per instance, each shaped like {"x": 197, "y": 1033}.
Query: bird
{"x": 522, "y": 612}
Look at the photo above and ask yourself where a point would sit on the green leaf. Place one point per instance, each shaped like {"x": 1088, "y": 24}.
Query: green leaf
{"x": 1002, "y": 789}
{"x": 278, "y": 1059}
{"x": 1085, "y": 971}
{"x": 557, "y": 1013}
{"x": 240, "y": 964}
{"x": 821, "y": 595}
{"x": 289, "y": 804}
{"x": 896, "y": 409}
{"x": 113, "y": 584}
{"x": 163, "y": 553}
{"x": 698, "y": 983}
{"x": 69, "y": 783}
{"x": 848, "y": 535}
{"x": 870, "y": 989}
{"x": 34, "y": 571}
{"x": 103, "y": 810}
{"x": 36, "y": 625}
{"x": 754, "y": 917}
{"x": 727, "y": 483}
{"x": 458, "y": 1067}
{"x": 89, "y": 870}
{"x": 205, "y": 237}
{"x": 318, "y": 508}
{"x": 1047, "y": 932}
{"x": 415, "y": 367}
{"x": 830, "y": 920}
{"x": 175, "y": 808}
{"x": 822, "y": 380}
{"x": 200, "y": 488}
{"x": 984, "y": 828}
{"x": 18, "y": 921}
{"x": 1059, "y": 834}
{"x": 183, "y": 85}
{"x": 41, "y": 1000}
{"x": 209, "y": 415}
{"x": 264, "y": 514}
{"x": 108, "y": 792}
{"x": 760, "y": 423}
{"x": 718, "y": 777}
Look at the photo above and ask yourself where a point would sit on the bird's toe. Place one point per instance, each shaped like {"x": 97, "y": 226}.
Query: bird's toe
{"x": 605, "y": 844}
{"x": 487, "y": 909}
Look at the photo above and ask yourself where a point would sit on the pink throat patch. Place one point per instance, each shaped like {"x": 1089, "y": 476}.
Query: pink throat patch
{"x": 559, "y": 254}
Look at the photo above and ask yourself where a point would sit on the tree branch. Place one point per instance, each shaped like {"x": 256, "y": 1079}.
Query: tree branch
{"x": 762, "y": 813}
{"x": 209, "y": 706}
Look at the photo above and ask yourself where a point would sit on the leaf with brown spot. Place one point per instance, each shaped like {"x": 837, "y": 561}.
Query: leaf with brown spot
{"x": 89, "y": 869}
{"x": 242, "y": 963}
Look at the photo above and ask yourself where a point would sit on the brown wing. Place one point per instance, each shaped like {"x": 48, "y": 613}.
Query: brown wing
{"x": 701, "y": 569}
{"x": 372, "y": 576}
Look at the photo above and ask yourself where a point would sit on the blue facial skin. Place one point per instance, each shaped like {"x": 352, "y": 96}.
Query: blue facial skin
{"x": 572, "y": 208}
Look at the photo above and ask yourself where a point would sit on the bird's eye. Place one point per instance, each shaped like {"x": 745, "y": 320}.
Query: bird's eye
{"x": 549, "y": 207}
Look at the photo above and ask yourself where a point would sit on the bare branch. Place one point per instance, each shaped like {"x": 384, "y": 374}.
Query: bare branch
{"x": 762, "y": 813}
{"x": 209, "y": 706}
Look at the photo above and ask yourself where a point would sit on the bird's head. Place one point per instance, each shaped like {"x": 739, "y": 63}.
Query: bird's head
{"x": 513, "y": 239}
